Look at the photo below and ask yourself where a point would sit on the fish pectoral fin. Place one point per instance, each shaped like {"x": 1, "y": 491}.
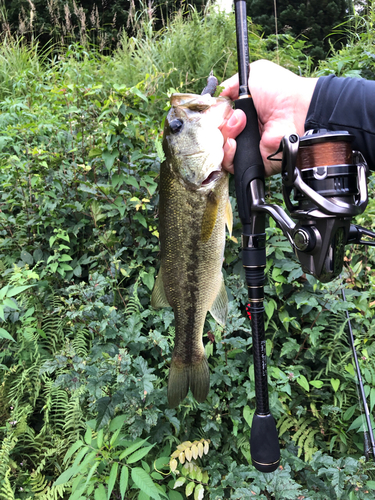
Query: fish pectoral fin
{"x": 229, "y": 217}
{"x": 158, "y": 297}
{"x": 219, "y": 308}
{"x": 196, "y": 376}
{"x": 209, "y": 217}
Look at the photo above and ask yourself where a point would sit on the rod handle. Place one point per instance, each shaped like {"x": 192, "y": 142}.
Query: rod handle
{"x": 248, "y": 163}
{"x": 264, "y": 443}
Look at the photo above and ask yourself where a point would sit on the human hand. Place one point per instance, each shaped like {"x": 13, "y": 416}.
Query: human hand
{"x": 281, "y": 99}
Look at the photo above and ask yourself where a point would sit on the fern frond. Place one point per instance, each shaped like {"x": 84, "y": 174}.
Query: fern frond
{"x": 6, "y": 492}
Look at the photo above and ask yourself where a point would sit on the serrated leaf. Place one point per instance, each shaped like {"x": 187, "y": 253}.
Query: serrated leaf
{"x": 112, "y": 479}
{"x": 189, "y": 488}
{"x": 124, "y": 478}
{"x": 144, "y": 482}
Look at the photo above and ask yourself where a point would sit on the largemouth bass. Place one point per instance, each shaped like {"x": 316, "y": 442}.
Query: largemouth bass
{"x": 193, "y": 209}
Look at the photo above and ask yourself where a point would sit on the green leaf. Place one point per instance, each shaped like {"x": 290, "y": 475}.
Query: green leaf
{"x": 75, "y": 446}
{"x": 370, "y": 485}
{"x": 303, "y": 382}
{"x": 143, "y": 481}
{"x": 17, "y": 289}
{"x": 109, "y": 158}
{"x": 199, "y": 492}
{"x": 189, "y": 488}
{"x": 124, "y": 478}
{"x": 64, "y": 258}
{"x": 138, "y": 455}
{"x": 10, "y": 303}
{"x": 100, "y": 493}
{"x": 132, "y": 448}
{"x": 88, "y": 436}
{"x": 175, "y": 495}
{"x": 27, "y": 257}
{"x": 99, "y": 439}
{"x": 179, "y": 482}
{"x": 65, "y": 476}
{"x": 248, "y": 415}
{"x": 112, "y": 479}
{"x": 91, "y": 472}
{"x": 5, "y": 335}
{"x": 317, "y": 383}
{"x": 335, "y": 384}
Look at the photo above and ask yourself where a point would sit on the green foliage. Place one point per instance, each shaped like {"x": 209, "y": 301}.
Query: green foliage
{"x": 84, "y": 359}
{"x": 313, "y": 21}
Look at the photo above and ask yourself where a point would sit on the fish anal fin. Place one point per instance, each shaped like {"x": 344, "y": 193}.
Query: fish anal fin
{"x": 158, "y": 297}
{"x": 219, "y": 308}
{"x": 229, "y": 217}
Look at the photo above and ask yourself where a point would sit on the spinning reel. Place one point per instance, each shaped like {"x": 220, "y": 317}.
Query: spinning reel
{"x": 328, "y": 183}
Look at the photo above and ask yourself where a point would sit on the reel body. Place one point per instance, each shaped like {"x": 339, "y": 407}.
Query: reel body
{"x": 328, "y": 183}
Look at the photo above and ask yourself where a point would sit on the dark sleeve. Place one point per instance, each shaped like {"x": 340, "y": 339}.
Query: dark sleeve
{"x": 346, "y": 104}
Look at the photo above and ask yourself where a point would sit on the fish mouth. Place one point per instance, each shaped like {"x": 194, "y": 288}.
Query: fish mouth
{"x": 212, "y": 177}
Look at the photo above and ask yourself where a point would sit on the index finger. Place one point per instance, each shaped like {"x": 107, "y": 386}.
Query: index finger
{"x": 231, "y": 87}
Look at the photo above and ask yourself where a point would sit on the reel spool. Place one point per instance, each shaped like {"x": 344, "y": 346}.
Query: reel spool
{"x": 328, "y": 182}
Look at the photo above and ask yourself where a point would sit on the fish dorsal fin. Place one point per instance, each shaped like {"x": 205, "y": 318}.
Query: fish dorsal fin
{"x": 229, "y": 217}
{"x": 219, "y": 308}
{"x": 158, "y": 297}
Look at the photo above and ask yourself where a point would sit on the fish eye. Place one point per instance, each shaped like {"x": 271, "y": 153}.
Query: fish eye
{"x": 176, "y": 125}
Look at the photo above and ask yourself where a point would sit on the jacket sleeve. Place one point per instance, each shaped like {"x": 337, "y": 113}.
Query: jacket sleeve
{"x": 346, "y": 104}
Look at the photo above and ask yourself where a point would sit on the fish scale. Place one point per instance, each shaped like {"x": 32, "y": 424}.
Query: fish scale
{"x": 192, "y": 219}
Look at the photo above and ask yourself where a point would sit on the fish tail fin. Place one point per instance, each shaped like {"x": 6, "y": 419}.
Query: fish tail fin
{"x": 195, "y": 376}
{"x": 200, "y": 380}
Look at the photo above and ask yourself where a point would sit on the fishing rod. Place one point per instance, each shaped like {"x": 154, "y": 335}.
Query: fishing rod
{"x": 328, "y": 184}
{"x": 249, "y": 181}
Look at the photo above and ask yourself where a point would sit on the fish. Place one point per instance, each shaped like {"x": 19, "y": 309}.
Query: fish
{"x": 194, "y": 208}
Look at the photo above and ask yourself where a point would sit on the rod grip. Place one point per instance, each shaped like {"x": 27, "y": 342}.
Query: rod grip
{"x": 248, "y": 163}
{"x": 264, "y": 443}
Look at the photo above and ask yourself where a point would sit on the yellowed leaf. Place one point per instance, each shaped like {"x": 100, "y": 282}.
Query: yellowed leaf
{"x": 173, "y": 464}
{"x": 205, "y": 447}
{"x": 181, "y": 457}
{"x": 194, "y": 450}
{"x": 188, "y": 454}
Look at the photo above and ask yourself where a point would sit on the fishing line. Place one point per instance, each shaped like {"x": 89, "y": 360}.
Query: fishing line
{"x": 369, "y": 442}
